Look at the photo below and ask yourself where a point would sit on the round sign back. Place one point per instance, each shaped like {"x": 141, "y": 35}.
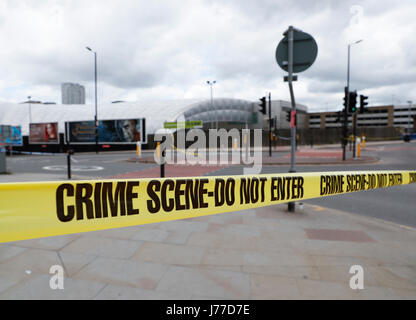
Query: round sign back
{"x": 305, "y": 51}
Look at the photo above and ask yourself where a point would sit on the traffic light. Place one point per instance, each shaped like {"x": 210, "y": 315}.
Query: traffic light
{"x": 288, "y": 116}
{"x": 363, "y": 103}
{"x": 345, "y": 98}
{"x": 263, "y": 105}
{"x": 352, "y": 107}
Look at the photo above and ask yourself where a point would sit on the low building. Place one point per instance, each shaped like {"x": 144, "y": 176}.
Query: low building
{"x": 401, "y": 116}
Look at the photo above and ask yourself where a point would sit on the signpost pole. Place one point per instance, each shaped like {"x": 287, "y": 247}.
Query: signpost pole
{"x": 291, "y": 205}
{"x": 295, "y": 53}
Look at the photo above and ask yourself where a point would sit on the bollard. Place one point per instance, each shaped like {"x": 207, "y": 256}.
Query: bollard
{"x": 363, "y": 138}
{"x": 162, "y": 164}
{"x": 246, "y": 146}
{"x": 139, "y": 149}
{"x": 158, "y": 150}
{"x": 161, "y": 156}
{"x": 69, "y": 152}
{"x": 358, "y": 142}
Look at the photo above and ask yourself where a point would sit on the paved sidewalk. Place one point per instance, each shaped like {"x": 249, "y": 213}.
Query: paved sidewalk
{"x": 265, "y": 253}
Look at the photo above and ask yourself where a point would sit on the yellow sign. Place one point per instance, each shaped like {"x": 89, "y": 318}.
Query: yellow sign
{"x": 43, "y": 209}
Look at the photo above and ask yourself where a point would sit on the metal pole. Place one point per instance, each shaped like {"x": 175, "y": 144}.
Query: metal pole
{"x": 68, "y": 152}
{"x": 212, "y": 106}
{"x": 68, "y": 162}
{"x": 292, "y": 98}
{"x": 354, "y": 116}
{"x": 347, "y": 90}
{"x": 348, "y": 74}
{"x": 162, "y": 160}
{"x": 211, "y": 83}
{"x": 162, "y": 169}
{"x": 291, "y": 205}
{"x": 270, "y": 125}
{"x": 216, "y": 111}
{"x": 354, "y": 133}
{"x": 408, "y": 117}
{"x": 30, "y": 109}
{"x": 246, "y": 139}
{"x": 96, "y": 116}
{"x": 344, "y": 132}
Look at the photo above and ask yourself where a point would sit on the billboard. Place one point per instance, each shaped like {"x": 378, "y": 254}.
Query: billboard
{"x": 43, "y": 133}
{"x": 11, "y": 135}
{"x": 122, "y": 131}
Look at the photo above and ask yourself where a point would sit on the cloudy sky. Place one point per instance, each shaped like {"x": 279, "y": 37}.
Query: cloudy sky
{"x": 151, "y": 50}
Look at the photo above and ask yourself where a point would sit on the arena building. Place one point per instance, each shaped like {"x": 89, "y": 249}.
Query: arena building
{"x": 216, "y": 113}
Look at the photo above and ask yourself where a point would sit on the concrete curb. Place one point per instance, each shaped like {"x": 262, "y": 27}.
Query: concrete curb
{"x": 286, "y": 161}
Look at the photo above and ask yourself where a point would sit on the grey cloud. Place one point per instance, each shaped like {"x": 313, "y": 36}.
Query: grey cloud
{"x": 142, "y": 45}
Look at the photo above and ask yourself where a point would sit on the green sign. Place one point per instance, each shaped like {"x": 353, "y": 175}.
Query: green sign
{"x": 183, "y": 124}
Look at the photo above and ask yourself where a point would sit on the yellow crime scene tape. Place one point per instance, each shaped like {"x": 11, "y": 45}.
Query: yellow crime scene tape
{"x": 43, "y": 209}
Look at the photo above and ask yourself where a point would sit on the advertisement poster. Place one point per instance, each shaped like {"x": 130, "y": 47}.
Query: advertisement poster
{"x": 109, "y": 131}
{"x": 43, "y": 133}
{"x": 11, "y": 135}
{"x": 80, "y": 132}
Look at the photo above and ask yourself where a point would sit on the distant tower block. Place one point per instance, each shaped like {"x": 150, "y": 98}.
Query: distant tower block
{"x": 72, "y": 93}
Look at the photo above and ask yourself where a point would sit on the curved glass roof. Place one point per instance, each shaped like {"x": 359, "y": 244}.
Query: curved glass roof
{"x": 221, "y": 109}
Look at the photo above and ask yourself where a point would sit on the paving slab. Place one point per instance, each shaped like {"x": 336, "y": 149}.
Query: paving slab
{"x": 121, "y": 272}
{"x": 267, "y": 287}
{"x": 111, "y": 292}
{"x": 37, "y": 288}
{"x": 32, "y": 261}
{"x": 172, "y": 254}
{"x": 104, "y": 247}
{"x": 209, "y": 282}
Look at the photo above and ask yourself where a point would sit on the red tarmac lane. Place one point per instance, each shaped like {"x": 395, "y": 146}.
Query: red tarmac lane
{"x": 170, "y": 171}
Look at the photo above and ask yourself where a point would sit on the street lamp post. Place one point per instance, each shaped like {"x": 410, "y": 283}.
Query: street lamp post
{"x": 30, "y": 109}
{"x": 95, "y": 82}
{"x": 354, "y": 116}
{"x": 211, "y": 83}
{"x": 408, "y": 117}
